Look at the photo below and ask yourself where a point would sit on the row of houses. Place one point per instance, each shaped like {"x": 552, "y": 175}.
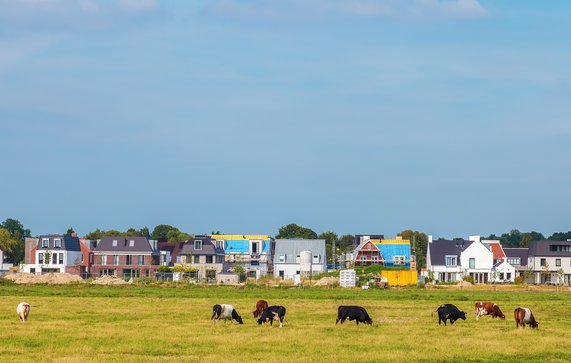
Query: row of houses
{"x": 486, "y": 261}
{"x": 210, "y": 255}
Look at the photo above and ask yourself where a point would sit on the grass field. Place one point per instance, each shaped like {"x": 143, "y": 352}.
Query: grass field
{"x": 132, "y": 324}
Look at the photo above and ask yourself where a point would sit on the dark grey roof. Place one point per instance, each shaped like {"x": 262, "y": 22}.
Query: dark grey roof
{"x": 68, "y": 243}
{"x": 439, "y": 249}
{"x": 123, "y": 244}
{"x": 517, "y": 252}
{"x": 543, "y": 248}
{"x": 208, "y": 247}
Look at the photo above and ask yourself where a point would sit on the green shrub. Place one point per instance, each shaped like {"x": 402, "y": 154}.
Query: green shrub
{"x": 469, "y": 279}
{"x": 519, "y": 280}
{"x": 164, "y": 269}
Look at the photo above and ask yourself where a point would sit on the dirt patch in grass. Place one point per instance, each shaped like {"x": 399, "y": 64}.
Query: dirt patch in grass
{"x": 50, "y": 279}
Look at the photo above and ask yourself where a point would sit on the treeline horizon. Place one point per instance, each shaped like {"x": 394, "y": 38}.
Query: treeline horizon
{"x": 13, "y": 235}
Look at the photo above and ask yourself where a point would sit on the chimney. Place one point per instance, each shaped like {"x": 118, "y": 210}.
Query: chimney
{"x": 74, "y": 234}
{"x": 429, "y": 238}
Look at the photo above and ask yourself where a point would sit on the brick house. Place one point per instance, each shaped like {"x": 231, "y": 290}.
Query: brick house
{"x": 367, "y": 254}
{"x": 204, "y": 254}
{"x": 125, "y": 257}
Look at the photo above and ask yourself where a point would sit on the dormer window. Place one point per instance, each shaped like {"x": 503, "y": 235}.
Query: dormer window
{"x": 57, "y": 243}
{"x": 45, "y": 242}
{"x": 114, "y": 243}
{"x": 132, "y": 243}
{"x": 198, "y": 244}
{"x": 451, "y": 261}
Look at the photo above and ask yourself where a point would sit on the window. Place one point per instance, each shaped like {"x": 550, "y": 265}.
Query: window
{"x": 220, "y": 243}
{"x": 219, "y": 259}
{"x": 57, "y": 243}
{"x": 115, "y": 260}
{"x": 198, "y": 244}
{"x": 472, "y": 263}
{"x": 61, "y": 258}
{"x": 209, "y": 259}
{"x": 281, "y": 258}
{"x": 196, "y": 259}
{"x": 543, "y": 262}
{"x": 132, "y": 243}
{"x": 104, "y": 260}
{"x": 255, "y": 247}
{"x": 254, "y": 263}
{"x": 114, "y": 243}
{"x": 398, "y": 260}
{"x": 45, "y": 242}
{"x": 316, "y": 259}
{"x": 451, "y": 261}
{"x": 141, "y": 259}
{"x": 375, "y": 258}
{"x": 297, "y": 272}
{"x": 181, "y": 259}
{"x": 559, "y": 248}
{"x": 508, "y": 275}
{"x": 40, "y": 258}
{"x": 363, "y": 258}
{"x": 514, "y": 261}
{"x": 501, "y": 275}
{"x": 129, "y": 260}
{"x": 558, "y": 262}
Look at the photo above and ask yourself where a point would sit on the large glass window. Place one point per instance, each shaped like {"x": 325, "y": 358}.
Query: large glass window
{"x": 104, "y": 260}
{"x": 472, "y": 263}
{"x": 209, "y": 259}
{"x": 129, "y": 260}
{"x": 451, "y": 261}
{"x": 198, "y": 244}
{"x": 115, "y": 260}
{"x": 141, "y": 260}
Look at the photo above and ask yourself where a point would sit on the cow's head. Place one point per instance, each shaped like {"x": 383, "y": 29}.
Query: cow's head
{"x": 462, "y": 315}
{"x": 261, "y": 321}
{"x": 535, "y": 324}
{"x": 239, "y": 319}
{"x": 369, "y": 321}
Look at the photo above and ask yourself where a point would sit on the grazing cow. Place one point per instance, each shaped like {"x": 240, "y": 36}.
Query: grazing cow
{"x": 273, "y": 312}
{"x": 488, "y": 308}
{"x": 23, "y": 310}
{"x": 225, "y": 311}
{"x": 524, "y": 316}
{"x": 261, "y": 305}
{"x": 357, "y": 313}
{"x": 449, "y": 312}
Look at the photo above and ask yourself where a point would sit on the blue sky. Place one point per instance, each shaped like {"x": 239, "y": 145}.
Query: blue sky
{"x": 358, "y": 116}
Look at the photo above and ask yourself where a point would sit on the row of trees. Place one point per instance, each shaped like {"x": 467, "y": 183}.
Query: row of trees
{"x": 12, "y": 237}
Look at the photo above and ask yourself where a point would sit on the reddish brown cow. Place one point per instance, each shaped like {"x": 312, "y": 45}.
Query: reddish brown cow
{"x": 261, "y": 305}
{"x": 524, "y": 316}
{"x": 488, "y": 308}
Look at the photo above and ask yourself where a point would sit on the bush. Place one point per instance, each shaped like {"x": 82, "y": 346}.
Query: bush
{"x": 164, "y": 269}
{"x": 519, "y": 280}
{"x": 469, "y": 279}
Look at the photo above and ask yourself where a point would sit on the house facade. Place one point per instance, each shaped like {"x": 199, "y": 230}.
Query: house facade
{"x": 299, "y": 257}
{"x": 125, "y": 257}
{"x": 203, "y": 254}
{"x": 387, "y": 252}
{"x": 550, "y": 262}
{"x": 253, "y": 252}
{"x": 55, "y": 253}
{"x": 503, "y": 272}
{"x": 517, "y": 257}
{"x": 367, "y": 254}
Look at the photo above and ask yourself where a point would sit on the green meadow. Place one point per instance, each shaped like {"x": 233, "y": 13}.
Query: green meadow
{"x": 85, "y": 323}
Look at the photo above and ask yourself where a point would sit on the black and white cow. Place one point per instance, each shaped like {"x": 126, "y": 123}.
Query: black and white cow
{"x": 357, "y": 313}
{"x": 273, "y": 312}
{"x": 225, "y": 311}
{"x": 449, "y": 312}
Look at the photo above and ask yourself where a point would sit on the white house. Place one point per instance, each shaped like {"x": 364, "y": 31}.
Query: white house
{"x": 550, "y": 261}
{"x": 299, "y": 257}
{"x": 54, "y": 253}
{"x": 503, "y": 272}
{"x": 451, "y": 260}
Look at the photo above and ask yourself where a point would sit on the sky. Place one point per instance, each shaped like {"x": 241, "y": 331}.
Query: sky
{"x": 451, "y": 117}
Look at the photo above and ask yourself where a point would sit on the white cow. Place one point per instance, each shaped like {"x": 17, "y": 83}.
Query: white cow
{"x": 23, "y": 310}
{"x": 225, "y": 311}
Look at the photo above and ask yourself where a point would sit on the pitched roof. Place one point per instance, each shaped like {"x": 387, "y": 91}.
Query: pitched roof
{"x": 207, "y": 248}
{"x": 291, "y": 248}
{"x": 68, "y": 242}
{"x": 124, "y": 244}
{"x": 543, "y": 248}
{"x": 439, "y": 249}
{"x": 496, "y": 249}
{"x": 522, "y": 253}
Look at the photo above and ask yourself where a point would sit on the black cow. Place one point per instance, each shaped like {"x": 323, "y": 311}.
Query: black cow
{"x": 357, "y": 313}
{"x": 273, "y": 312}
{"x": 449, "y": 312}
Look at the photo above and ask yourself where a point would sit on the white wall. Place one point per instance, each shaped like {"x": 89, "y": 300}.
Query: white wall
{"x": 290, "y": 269}
{"x": 484, "y": 258}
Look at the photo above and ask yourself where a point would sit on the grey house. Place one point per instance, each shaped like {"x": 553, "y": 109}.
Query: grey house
{"x": 517, "y": 257}
{"x": 550, "y": 261}
{"x": 299, "y": 257}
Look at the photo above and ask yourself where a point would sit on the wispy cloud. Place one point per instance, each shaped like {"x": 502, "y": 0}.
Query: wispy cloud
{"x": 323, "y": 9}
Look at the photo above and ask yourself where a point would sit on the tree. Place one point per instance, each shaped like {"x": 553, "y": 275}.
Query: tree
{"x": 7, "y": 242}
{"x": 330, "y": 239}
{"x": 162, "y": 230}
{"x": 176, "y": 236}
{"x": 560, "y": 236}
{"x": 294, "y": 231}
{"x": 70, "y": 231}
{"x": 420, "y": 242}
{"x": 19, "y": 234}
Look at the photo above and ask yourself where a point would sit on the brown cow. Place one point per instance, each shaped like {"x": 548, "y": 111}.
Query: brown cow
{"x": 261, "y": 305}
{"x": 524, "y": 316}
{"x": 488, "y": 308}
